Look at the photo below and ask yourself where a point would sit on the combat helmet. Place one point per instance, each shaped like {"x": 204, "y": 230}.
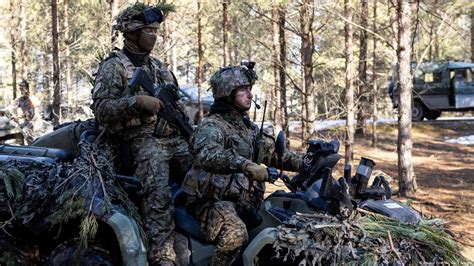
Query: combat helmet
{"x": 227, "y": 79}
{"x": 140, "y": 15}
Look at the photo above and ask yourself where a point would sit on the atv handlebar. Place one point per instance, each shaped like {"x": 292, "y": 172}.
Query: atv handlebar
{"x": 274, "y": 175}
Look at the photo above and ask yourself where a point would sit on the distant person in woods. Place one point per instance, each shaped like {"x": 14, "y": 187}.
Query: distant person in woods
{"x": 28, "y": 111}
{"x": 131, "y": 115}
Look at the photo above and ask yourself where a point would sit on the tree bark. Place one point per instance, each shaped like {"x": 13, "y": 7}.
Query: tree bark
{"x": 282, "y": 70}
{"x": 56, "y": 84}
{"x": 114, "y": 11}
{"x": 362, "y": 81}
{"x": 67, "y": 53}
{"x": 166, "y": 43}
{"x": 307, "y": 48}
{"x": 406, "y": 175}
{"x": 276, "y": 99}
{"x": 13, "y": 43}
{"x": 225, "y": 30}
{"x": 436, "y": 55}
{"x": 23, "y": 44}
{"x": 236, "y": 41}
{"x": 472, "y": 33}
{"x": 374, "y": 78}
{"x": 200, "y": 60}
{"x": 394, "y": 29}
{"x": 349, "y": 80}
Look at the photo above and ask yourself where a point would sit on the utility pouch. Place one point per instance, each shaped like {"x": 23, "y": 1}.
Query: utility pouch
{"x": 160, "y": 128}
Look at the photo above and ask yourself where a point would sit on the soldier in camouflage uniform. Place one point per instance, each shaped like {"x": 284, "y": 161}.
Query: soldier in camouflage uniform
{"x": 26, "y": 106}
{"x": 224, "y": 184}
{"x": 131, "y": 114}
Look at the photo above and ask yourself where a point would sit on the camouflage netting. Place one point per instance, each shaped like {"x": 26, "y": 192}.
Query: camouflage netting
{"x": 55, "y": 193}
{"x": 368, "y": 239}
{"x": 23, "y": 190}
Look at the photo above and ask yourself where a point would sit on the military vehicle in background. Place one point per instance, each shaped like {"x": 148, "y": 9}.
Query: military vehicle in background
{"x": 189, "y": 99}
{"x": 438, "y": 87}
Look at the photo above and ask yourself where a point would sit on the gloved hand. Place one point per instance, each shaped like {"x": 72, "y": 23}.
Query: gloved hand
{"x": 148, "y": 104}
{"x": 256, "y": 172}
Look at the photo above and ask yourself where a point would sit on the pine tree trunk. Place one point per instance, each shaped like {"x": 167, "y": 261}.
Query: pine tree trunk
{"x": 436, "y": 38}
{"x": 282, "y": 70}
{"x": 406, "y": 175}
{"x": 200, "y": 60}
{"x": 236, "y": 42}
{"x": 362, "y": 82}
{"x": 114, "y": 10}
{"x": 393, "y": 28}
{"x": 23, "y": 44}
{"x": 276, "y": 101}
{"x": 56, "y": 84}
{"x": 349, "y": 79}
{"x": 225, "y": 30}
{"x": 374, "y": 78}
{"x": 307, "y": 49}
{"x": 13, "y": 40}
{"x": 472, "y": 33}
{"x": 166, "y": 42}
{"x": 67, "y": 54}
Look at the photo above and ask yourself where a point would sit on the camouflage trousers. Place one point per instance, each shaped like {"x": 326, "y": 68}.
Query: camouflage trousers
{"x": 153, "y": 157}
{"x": 221, "y": 223}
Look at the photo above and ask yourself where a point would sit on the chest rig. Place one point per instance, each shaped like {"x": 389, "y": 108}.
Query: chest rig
{"x": 159, "y": 75}
{"x": 235, "y": 187}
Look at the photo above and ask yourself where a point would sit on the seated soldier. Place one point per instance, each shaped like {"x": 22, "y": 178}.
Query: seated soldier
{"x": 223, "y": 145}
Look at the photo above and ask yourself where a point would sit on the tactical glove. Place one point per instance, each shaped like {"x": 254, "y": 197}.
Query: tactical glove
{"x": 256, "y": 172}
{"x": 148, "y": 104}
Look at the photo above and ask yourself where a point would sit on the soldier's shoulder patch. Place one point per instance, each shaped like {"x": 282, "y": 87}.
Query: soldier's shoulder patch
{"x": 207, "y": 136}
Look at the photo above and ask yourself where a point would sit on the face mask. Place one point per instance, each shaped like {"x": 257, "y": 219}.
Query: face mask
{"x": 146, "y": 41}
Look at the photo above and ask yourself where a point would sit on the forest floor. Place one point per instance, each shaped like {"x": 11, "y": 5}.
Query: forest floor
{"x": 444, "y": 171}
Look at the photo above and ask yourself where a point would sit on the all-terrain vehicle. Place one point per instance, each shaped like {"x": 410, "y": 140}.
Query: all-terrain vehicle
{"x": 118, "y": 240}
{"x": 313, "y": 190}
{"x": 57, "y": 210}
{"x": 438, "y": 87}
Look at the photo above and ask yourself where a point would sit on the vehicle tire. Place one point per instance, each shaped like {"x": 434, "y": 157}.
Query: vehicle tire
{"x": 433, "y": 115}
{"x": 66, "y": 254}
{"x": 418, "y": 111}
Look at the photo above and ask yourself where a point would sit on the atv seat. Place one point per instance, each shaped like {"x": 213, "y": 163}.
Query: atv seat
{"x": 30, "y": 151}
{"x": 184, "y": 222}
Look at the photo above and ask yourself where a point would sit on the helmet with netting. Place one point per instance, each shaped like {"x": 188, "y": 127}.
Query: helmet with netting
{"x": 140, "y": 15}
{"x": 227, "y": 79}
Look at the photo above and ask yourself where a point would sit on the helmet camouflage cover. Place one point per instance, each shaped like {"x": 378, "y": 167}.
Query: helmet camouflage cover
{"x": 227, "y": 79}
{"x": 140, "y": 15}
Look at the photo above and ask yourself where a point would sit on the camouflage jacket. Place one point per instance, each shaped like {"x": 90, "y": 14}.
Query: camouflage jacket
{"x": 113, "y": 102}
{"x": 222, "y": 144}
{"x": 26, "y": 105}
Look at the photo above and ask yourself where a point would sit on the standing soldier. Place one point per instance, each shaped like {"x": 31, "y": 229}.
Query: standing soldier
{"x": 225, "y": 185}
{"x": 28, "y": 110}
{"x": 130, "y": 114}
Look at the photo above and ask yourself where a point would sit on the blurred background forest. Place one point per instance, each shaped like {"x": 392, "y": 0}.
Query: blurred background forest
{"x": 298, "y": 47}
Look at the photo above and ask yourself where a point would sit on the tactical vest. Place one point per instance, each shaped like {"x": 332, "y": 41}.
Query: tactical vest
{"x": 236, "y": 187}
{"x": 160, "y": 75}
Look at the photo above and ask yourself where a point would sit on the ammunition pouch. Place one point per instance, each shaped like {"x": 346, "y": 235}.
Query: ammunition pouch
{"x": 212, "y": 187}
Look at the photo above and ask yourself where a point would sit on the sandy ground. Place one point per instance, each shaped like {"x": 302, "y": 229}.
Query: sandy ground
{"x": 444, "y": 171}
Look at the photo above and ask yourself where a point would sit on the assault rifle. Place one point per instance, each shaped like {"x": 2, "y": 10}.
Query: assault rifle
{"x": 257, "y": 152}
{"x": 168, "y": 94}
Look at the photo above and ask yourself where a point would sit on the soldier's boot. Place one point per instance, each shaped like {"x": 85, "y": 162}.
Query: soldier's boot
{"x": 181, "y": 249}
{"x": 224, "y": 258}
{"x": 162, "y": 254}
